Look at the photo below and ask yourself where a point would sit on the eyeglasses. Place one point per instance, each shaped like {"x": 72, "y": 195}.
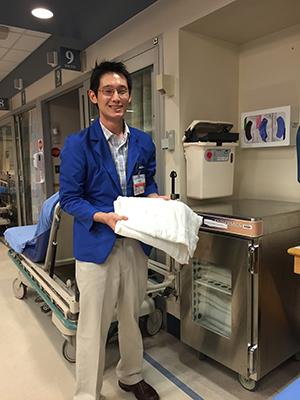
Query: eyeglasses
{"x": 111, "y": 92}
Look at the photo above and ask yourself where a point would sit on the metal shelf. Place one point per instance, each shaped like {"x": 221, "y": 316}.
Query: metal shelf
{"x": 215, "y": 285}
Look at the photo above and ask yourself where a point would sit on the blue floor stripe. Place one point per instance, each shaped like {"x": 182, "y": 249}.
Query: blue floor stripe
{"x": 291, "y": 392}
{"x": 193, "y": 395}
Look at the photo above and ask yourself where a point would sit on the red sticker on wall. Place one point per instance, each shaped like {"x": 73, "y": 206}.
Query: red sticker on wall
{"x": 55, "y": 152}
{"x": 40, "y": 144}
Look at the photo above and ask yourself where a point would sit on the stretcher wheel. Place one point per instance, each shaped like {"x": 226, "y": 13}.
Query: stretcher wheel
{"x": 154, "y": 322}
{"x": 68, "y": 352}
{"x": 248, "y": 383}
{"x": 19, "y": 289}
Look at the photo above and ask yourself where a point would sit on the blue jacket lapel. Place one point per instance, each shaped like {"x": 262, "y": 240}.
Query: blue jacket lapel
{"x": 133, "y": 155}
{"x": 101, "y": 147}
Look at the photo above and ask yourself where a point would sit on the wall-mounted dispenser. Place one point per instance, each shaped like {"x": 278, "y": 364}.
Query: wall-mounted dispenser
{"x": 38, "y": 163}
{"x": 55, "y": 133}
{"x": 209, "y": 149}
{"x": 52, "y": 58}
{"x": 165, "y": 84}
{"x": 270, "y": 127}
{"x": 168, "y": 143}
{"x": 3, "y": 32}
{"x": 18, "y": 84}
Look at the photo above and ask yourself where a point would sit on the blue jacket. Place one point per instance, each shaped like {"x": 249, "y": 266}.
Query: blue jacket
{"x": 89, "y": 183}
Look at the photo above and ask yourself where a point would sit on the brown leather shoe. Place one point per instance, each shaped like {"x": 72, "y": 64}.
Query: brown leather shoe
{"x": 141, "y": 390}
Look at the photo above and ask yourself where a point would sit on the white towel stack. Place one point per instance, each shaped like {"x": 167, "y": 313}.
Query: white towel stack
{"x": 170, "y": 225}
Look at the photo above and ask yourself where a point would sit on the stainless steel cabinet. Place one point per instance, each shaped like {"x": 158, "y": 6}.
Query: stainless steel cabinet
{"x": 239, "y": 301}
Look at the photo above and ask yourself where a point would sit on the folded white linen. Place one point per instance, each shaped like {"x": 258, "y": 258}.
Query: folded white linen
{"x": 170, "y": 225}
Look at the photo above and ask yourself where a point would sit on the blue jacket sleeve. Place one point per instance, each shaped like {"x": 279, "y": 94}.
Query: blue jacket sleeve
{"x": 72, "y": 178}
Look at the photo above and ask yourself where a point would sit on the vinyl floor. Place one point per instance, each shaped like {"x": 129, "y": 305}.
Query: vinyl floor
{"x": 32, "y": 366}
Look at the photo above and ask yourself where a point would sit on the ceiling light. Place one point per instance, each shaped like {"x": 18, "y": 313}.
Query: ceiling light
{"x": 42, "y": 13}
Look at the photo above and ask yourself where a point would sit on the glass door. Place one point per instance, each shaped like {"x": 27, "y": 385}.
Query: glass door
{"x": 145, "y": 111}
{"x": 139, "y": 113}
{"x": 8, "y": 199}
{"x": 146, "y": 108}
{"x": 30, "y": 178}
{"x": 211, "y": 296}
{"x": 216, "y": 300}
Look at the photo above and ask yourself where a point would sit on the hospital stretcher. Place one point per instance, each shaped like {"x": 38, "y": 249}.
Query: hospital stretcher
{"x": 54, "y": 280}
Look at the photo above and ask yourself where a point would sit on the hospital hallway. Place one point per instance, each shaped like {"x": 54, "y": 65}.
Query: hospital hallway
{"x": 32, "y": 366}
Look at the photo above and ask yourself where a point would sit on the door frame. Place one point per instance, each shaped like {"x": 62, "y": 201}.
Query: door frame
{"x": 148, "y": 53}
{"x": 151, "y": 53}
{"x": 6, "y": 120}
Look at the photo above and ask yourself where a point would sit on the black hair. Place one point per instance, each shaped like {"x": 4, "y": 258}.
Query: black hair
{"x": 106, "y": 67}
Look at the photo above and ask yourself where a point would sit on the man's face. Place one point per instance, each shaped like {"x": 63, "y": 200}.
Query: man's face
{"x": 111, "y": 107}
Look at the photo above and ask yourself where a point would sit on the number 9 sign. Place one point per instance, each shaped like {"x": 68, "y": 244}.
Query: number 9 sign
{"x": 58, "y": 77}
{"x": 70, "y": 59}
{"x": 69, "y": 56}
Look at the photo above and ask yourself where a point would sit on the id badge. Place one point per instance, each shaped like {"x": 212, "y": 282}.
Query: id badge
{"x": 139, "y": 183}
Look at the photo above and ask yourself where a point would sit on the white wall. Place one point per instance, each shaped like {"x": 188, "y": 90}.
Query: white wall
{"x": 164, "y": 17}
{"x": 220, "y": 78}
{"x": 208, "y": 84}
{"x": 269, "y": 77}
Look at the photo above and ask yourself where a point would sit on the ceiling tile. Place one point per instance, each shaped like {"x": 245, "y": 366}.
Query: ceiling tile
{"x": 28, "y": 43}
{"x": 38, "y": 34}
{"x": 10, "y": 40}
{"x": 16, "y": 55}
{"x": 7, "y": 65}
{"x": 2, "y": 51}
{"x": 15, "y": 29}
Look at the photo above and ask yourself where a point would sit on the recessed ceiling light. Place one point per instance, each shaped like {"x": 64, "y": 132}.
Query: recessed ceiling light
{"x": 42, "y": 13}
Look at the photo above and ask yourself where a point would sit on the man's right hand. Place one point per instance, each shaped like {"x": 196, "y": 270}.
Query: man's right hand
{"x": 109, "y": 218}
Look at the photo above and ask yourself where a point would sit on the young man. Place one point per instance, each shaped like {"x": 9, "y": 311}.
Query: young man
{"x": 100, "y": 163}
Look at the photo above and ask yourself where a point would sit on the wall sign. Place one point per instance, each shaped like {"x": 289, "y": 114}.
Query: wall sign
{"x": 4, "y": 104}
{"x": 55, "y": 152}
{"x": 23, "y": 97}
{"x": 57, "y": 73}
{"x": 70, "y": 59}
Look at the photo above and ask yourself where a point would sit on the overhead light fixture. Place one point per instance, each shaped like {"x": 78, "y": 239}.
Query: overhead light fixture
{"x": 42, "y": 13}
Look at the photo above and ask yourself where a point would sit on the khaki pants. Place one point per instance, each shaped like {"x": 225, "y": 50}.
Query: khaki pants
{"x": 121, "y": 280}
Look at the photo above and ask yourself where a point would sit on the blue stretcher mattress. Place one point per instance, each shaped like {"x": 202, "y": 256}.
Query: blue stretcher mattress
{"x": 32, "y": 240}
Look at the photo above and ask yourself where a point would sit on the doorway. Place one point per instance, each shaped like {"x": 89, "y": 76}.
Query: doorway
{"x": 64, "y": 119}
{"x": 8, "y": 198}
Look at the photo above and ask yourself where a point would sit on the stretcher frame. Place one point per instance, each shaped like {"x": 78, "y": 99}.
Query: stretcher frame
{"x": 63, "y": 300}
